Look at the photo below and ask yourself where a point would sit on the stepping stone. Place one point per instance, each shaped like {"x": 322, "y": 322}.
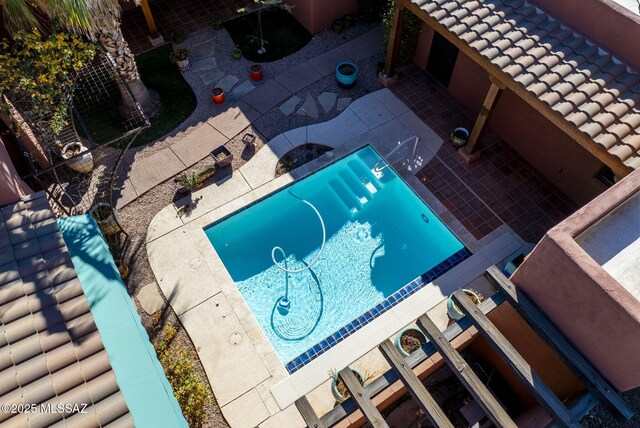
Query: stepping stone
{"x": 298, "y": 77}
{"x": 309, "y": 107}
{"x": 290, "y": 105}
{"x": 210, "y": 77}
{"x": 327, "y": 100}
{"x": 150, "y": 298}
{"x": 343, "y": 103}
{"x": 227, "y": 83}
{"x": 267, "y": 96}
{"x": 241, "y": 90}
{"x": 201, "y": 51}
{"x": 204, "y": 65}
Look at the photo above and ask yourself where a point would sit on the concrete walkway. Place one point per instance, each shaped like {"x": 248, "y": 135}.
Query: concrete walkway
{"x": 245, "y": 104}
{"x": 249, "y": 381}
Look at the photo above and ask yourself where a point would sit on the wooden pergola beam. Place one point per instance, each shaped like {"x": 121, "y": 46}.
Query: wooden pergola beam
{"x": 393, "y": 47}
{"x": 362, "y": 399}
{"x": 595, "y": 383}
{"x": 619, "y": 168}
{"x": 148, "y": 16}
{"x": 469, "y": 379}
{"x": 490, "y": 101}
{"x": 534, "y": 383}
{"x": 308, "y": 414}
{"x": 415, "y": 387}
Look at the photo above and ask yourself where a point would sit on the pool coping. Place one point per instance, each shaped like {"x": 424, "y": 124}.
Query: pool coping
{"x": 268, "y": 389}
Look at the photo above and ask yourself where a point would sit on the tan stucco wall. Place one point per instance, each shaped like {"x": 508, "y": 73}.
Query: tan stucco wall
{"x": 587, "y": 304}
{"x": 11, "y": 186}
{"x": 604, "y": 21}
{"x": 318, "y": 15}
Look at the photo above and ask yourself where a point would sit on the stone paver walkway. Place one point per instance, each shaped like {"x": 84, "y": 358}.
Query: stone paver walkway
{"x": 246, "y": 103}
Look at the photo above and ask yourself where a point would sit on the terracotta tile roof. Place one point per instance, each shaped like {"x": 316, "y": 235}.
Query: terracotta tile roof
{"x": 50, "y": 349}
{"x": 593, "y": 90}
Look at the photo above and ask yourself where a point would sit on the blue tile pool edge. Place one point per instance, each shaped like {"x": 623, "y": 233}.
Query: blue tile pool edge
{"x": 373, "y": 313}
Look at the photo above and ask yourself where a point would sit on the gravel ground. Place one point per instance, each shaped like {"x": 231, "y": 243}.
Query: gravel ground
{"x": 599, "y": 417}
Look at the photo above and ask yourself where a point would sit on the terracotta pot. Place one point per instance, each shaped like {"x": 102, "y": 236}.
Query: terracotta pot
{"x": 217, "y": 95}
{"x": 255, "y": 71}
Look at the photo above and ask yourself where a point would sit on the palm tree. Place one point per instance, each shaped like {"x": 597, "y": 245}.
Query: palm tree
{"x": 97, "y": 19}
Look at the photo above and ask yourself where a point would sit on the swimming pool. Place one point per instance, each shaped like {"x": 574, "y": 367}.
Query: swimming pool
{"x": 308, "y": 293}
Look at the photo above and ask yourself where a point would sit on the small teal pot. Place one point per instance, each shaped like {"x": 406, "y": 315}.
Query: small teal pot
{"x": 346, "y": 74}
{"x": 334, "y": 386}
{"x": 399, "y": 336}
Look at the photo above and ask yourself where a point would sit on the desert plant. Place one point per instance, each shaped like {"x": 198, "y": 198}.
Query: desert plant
{"x": 179, "y": 55}
{"x": 190, "y": 181}
{"x": 188, "y": 386}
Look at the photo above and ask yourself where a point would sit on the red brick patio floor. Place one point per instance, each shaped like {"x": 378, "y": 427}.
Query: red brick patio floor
{"x": 501, "y": 186}
{"x": 188, "y": 15}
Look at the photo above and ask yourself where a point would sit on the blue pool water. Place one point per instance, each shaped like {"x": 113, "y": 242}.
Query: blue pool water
{"x": 379, "y": 237}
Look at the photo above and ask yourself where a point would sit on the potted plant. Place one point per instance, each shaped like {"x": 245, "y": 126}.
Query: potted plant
{"x": 177, "y": 35}
{"x": 217, "y": 95}
{"x": 78, "y": 157}
{"x": 337, "y": 26}
{"x": 248, "y": 139}
{"x": 107, "y": 218}
{"x": 181, "y": 58}
{"x": 255, "y": 71}
{"x": 409, "y": 340}
{"x": 205, "y": 173}
{"x": 216, "y": 23}
{"x": 346, "y": 74}
{"x": 454, "y": 311}
{"x": 236, "y": 53}
{"x": 347, "y": 21}
{"x": 459, "y": 136}
{"x": 222, "y": 157}
{"x": 188, "y": 183}
{"x": 339, "y": 389}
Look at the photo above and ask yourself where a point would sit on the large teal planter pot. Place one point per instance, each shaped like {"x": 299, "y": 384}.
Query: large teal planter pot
{"x": 414, "y": 331}
{"x": 346, "y": 74}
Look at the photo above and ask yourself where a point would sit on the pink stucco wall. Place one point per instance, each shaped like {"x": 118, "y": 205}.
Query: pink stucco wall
{"x": 11, "y": 186}
{"x": 318, "y": 15}
{"x": 424, "y": 46}
{"x": 587, "y": 304}
{"x": 611, "y": 25}
{"x": 552, "y": 152}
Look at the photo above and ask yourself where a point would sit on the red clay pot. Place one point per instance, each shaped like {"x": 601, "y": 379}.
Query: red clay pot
{"x": 255, "y": 71}
{"x": 217, "y": 95}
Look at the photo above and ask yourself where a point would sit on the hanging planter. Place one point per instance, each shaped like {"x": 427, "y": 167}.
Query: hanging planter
{"x": 454, "y": 311}
{"x": 459, "y": 137}
{"x": 255, "y": 71}
{"x": 217, "y": 95}
{"x": 78, "y": 157}
{"x": 409, "y": 340}
{"x": 346, "y": 74}
{"x": 107, "y": 218}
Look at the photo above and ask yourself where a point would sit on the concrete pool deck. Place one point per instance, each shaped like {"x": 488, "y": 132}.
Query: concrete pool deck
{"x": 250, "y": 383}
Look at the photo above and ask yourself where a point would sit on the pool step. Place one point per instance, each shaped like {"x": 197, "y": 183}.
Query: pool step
{"x": 369, "y": 160}
{"x": 345, "y": 194}
{"x": 368, "y": 180}
{"x": 353, "y": 182}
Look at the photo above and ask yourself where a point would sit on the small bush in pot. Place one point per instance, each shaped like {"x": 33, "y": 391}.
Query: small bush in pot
{"x": 339, "y": 389}
{"x": 181, "y": 58}
{"x": 454, "y": 311}
{"x": 409, "y": 340}
{"x": 177, "y": 35}
{"x": 188, "y": 182}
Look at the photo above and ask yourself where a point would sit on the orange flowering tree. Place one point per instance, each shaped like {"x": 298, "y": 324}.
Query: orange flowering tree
{"x": 37, "y": 75}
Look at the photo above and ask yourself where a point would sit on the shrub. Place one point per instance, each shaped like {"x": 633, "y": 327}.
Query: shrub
{"x": 190, "y": 390}
{"x": 408, "y": 36}
{"x": 42, "y": 71}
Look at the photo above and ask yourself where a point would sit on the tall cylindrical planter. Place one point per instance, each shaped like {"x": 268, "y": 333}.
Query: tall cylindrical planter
{"x": 107, "y": 218}
{"x": 217, "y": 95}
{"x": 255, "y": 71}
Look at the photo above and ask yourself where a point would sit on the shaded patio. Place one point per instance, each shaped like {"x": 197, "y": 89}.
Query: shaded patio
{"x": 499, "y": 187}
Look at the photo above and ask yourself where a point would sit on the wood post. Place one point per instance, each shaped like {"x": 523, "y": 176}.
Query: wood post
{"x": 481, "y": 122}
{"x": 148, "y": 16}
{"x": 393, "y": 47}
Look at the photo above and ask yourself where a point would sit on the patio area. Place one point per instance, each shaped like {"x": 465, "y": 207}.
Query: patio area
{"x": 499, "y": 187}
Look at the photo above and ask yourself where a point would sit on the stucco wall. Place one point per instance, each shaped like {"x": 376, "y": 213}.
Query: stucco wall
{"x": 424, "y": 46}
{"x": 11, "y": 186}
{"x": 611, "y": 25}
{"x": 318, "y": 15}
{"x": 563, "y": 161}
{"x": 587, "y": 304}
